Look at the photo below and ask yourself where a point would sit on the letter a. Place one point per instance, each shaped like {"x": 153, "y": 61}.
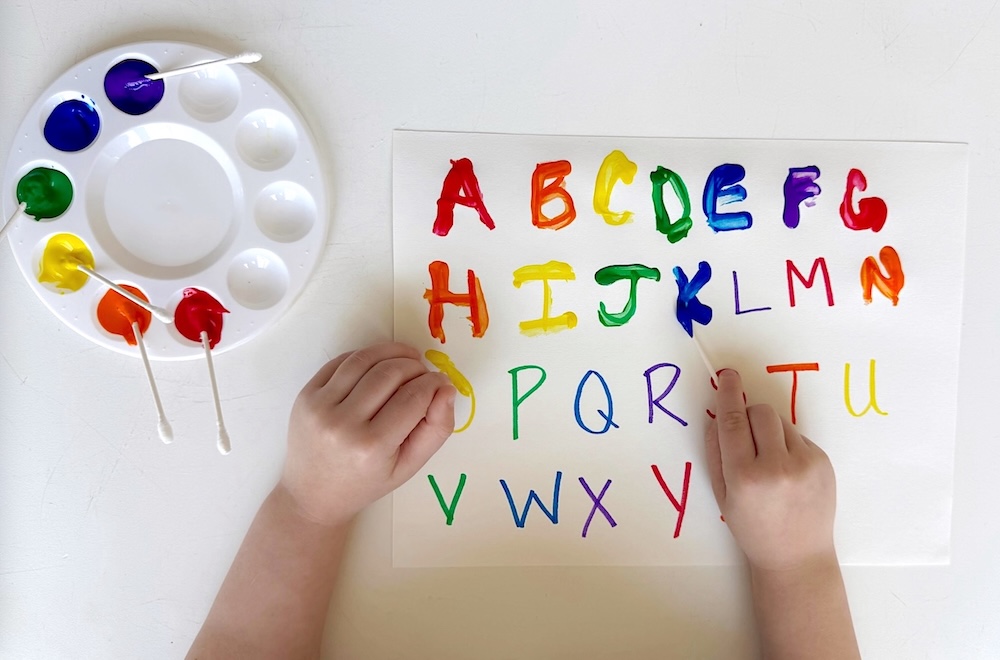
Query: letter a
{"x": 460, "y": 187}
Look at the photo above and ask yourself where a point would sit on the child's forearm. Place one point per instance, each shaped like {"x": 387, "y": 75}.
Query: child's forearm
{"x": 274, "y": 600}
{"x": 362, "y": 426}
{"x": 803, "y": 612}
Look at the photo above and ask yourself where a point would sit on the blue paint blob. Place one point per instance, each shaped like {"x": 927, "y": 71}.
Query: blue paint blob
{"x": 129, "y": 91}
{"x": 721, "y": 188}
{"x": 690, "y": 310}
{"x": 73, "y": 125}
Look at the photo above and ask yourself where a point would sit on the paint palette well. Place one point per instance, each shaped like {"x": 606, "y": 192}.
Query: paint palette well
{"x": 207, "y": 180}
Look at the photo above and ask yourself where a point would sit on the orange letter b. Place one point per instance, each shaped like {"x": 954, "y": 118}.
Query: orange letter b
{"x": 542, "y": 193}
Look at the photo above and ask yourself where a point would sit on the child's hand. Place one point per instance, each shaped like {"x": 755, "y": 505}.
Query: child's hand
{"x": 775, "y": 488}
{"x": 364, "y": 424}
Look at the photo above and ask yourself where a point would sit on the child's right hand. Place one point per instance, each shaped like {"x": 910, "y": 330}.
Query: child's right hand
{"x": 365, "y": 423}
{"x": 775, "y": 488}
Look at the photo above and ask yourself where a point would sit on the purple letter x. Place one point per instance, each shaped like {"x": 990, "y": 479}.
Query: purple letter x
{"x": 597, "y": 505}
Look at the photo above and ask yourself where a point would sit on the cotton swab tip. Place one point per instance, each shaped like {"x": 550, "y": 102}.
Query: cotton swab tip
{"x": 223, "y": 441}
{"x": 166, "y": 433}
{"x": 163, "y": 426}
{"x": 248, "y": 57}
{"x": 161, "y": 314}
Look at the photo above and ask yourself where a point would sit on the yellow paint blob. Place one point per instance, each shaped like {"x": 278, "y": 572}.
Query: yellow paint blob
{"x": 553, "y": 270}
{"x": 616, "y": 167}
{"x": 62, "y": 254}
{"x": 461, "y": 383}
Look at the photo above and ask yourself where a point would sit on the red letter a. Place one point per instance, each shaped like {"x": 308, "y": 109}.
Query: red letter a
{"x": 460, "y": 187}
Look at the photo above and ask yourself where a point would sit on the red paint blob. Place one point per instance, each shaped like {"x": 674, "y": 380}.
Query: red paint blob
{"x": 116, "y": 313}
{"x": 460, "y": 187}
{"x": 199, "y": 312}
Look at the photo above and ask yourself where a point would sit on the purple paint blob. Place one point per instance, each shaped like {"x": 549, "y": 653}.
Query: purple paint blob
{"x": 72, "y": 125}
{"x": 800, "y": 186}
{"x": 129, "y": 91}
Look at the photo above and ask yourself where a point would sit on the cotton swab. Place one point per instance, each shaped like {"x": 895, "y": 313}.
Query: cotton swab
{"x": 223, "y": 440}
{"x": 120, "y": 316}
{"x": 158, "y": 312}
{"x": 704, "y": 357}
{"x": 10, "y": 223}
{"x": 163, "y": 426}
{"x": 242, "y": 58}
{"x": 198, "y": 318}
{"x": 685, "y": 320}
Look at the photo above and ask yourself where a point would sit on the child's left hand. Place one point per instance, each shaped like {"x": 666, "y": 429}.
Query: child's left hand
{"x": 364, "y": 424}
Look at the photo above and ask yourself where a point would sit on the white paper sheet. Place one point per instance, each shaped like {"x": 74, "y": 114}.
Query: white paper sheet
{"x": 894, "y": 471}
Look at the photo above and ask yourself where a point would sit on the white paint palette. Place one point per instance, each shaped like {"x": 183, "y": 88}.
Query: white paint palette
{"x": 207, "y": 180}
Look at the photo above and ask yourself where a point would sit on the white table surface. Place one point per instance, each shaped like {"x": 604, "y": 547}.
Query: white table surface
{"x": 113, "y": 545}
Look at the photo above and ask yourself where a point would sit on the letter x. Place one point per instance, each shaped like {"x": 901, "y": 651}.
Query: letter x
{"x": 596, "y": 499}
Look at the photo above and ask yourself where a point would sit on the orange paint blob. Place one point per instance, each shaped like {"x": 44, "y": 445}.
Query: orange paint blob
{"x": 116, "y": 313}
{"x": 548, "y": 183}
{"x": 888, "y": 284}
{"x": 439, "y": 294}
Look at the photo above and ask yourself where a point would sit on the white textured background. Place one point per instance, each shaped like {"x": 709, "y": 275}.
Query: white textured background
{"x": 113, "y": 545}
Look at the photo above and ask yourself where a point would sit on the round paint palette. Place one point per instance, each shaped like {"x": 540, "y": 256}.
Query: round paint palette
{"x": 207, "y": 180}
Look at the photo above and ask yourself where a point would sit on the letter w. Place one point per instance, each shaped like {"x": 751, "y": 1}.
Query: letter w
{"x": 533, "y": 497}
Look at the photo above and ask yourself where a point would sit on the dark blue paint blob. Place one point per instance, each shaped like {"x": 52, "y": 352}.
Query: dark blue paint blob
{"x": 690, "y": 310}
{"x": 721, "y": 188}
{"x": 129, "y": 91}
{"x": 73, "y": 125}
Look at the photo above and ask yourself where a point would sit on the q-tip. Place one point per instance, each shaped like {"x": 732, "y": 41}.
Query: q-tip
{"x": 10, "y": 222}
{"x": 223, "y": 441}
{"x": 248, "y": 57}
{"x": 166, "y": 433}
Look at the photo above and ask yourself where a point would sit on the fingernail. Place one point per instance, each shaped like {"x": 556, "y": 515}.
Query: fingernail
{"x": 732, "y": 371}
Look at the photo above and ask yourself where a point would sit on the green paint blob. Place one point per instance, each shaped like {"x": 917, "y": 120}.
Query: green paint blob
{"x": 678, "y": 229}
{"x": 611, "y": 274}
{"x": 46, "y": 192}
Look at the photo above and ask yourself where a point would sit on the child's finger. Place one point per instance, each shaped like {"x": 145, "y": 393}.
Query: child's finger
{"x": 768, "y": 432}
{"x": 357, "y": 364}
{"x": 379, "y": 384}
{"x": 714, "y": 460}
{"x": 429, "y": 434}
{"x": 407, "y": 408}
{"x": 325, "y": 373}
{"x": 735, "y": 439}
{"x": 793, "y": 439}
